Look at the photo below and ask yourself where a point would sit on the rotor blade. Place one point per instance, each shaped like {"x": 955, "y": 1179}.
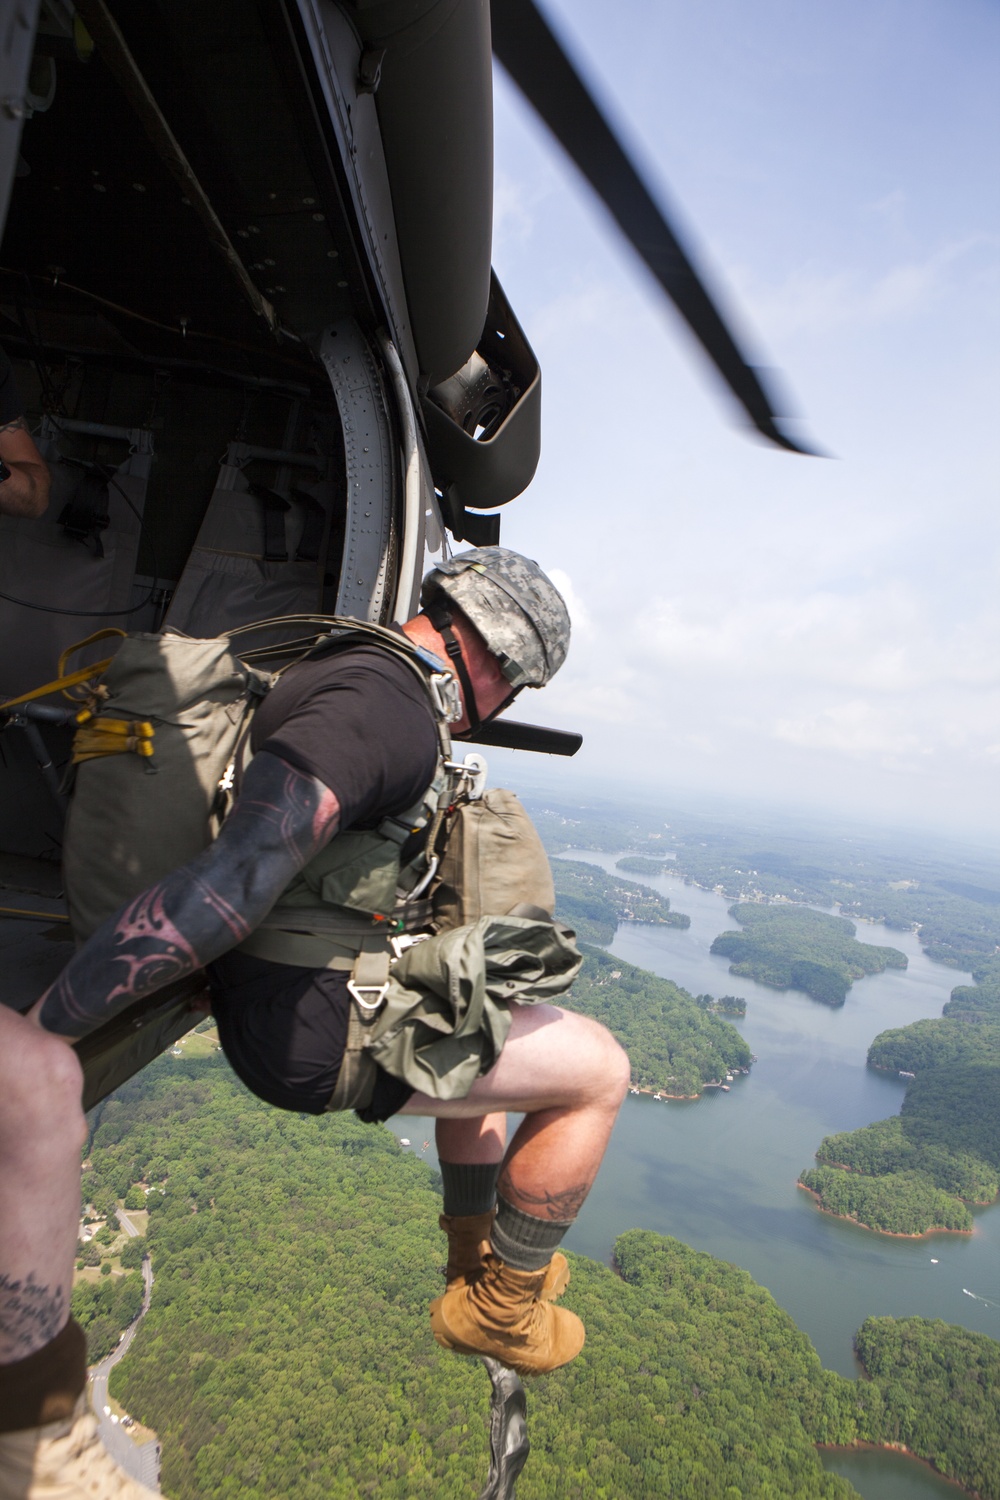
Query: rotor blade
{"x": 535, "y": 60}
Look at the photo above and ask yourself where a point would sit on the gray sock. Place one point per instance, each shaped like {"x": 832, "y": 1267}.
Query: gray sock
{"x": 469, "y": 1188}
{"x": 522, "y": 1241}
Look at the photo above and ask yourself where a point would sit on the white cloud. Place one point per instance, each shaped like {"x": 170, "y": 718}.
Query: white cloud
{"x": 815, "y": 300}
{"x": 578, "y": 613}
{"x": 857, "y": 728}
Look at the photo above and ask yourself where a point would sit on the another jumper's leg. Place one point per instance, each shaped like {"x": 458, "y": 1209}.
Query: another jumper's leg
{"x": 49, "y": 1445}
{"x": 569, "y": 1076}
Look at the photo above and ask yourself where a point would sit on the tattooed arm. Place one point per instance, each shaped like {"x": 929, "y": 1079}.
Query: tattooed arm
{"x": 282, "y": 819}
{"x": 26, "y": 492}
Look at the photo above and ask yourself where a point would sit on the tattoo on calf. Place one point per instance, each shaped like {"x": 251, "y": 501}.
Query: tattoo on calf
{"x": 30, "y": 1315}
{"x": 558, "y": 1206}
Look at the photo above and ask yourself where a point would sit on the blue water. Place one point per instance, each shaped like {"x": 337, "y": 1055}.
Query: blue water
{"x": 720, "y": 1172}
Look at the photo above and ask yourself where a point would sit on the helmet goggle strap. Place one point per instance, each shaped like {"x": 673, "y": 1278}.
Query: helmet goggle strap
{"x": 440, "y": 616}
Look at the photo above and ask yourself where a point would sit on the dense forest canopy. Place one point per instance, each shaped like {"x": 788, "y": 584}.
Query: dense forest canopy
{"x": 288, "y": 1353}
{"x": 946, "y": 1394}
{"x": 935, "y": 1042}
{"x": 793, "y": 947}
{"x": 593, "y": 902}
{"x": 979, "y": 1001}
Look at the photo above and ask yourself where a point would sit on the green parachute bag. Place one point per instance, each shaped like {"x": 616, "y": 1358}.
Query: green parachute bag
{"x": 446, "y": 1014}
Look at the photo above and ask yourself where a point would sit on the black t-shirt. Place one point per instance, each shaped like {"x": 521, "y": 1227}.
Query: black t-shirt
{"x": 10, "y": 402}
{"x": 361, "y": 723}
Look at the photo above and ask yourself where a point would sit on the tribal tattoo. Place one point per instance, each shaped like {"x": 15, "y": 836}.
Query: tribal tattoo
{"x": 283, "y": 817}
{"x": 560, "y": 1207}
{"x": 30, "y": 1316}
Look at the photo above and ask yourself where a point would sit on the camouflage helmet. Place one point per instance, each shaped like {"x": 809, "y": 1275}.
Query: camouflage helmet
{"x": 517, "y": 610}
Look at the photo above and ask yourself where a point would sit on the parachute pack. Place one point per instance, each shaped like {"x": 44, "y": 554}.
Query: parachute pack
{"x": 162, "y": 730}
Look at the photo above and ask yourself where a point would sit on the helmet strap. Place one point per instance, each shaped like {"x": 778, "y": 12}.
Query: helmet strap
{"x": 440, "y": 617}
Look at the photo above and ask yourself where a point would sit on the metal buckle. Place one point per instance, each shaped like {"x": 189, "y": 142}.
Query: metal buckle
{"x": 445, "y": 696}
{"x": 357, "y": 990}
{"x": 474, "y": 770}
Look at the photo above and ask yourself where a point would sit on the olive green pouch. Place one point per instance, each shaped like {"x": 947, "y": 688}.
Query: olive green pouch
{"x": 446, "y": 1013}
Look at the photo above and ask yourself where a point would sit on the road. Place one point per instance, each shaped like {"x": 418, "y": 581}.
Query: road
{"x": 142, "y": 1463}
{"x": 127, "y": 1225}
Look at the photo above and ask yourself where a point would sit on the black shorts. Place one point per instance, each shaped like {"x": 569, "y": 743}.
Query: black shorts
{"x": 284, "y": 1029}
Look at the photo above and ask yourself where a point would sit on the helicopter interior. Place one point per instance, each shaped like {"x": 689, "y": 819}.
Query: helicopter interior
{"x": 245, "y": 285}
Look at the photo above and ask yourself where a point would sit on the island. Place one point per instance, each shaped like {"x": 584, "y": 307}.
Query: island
{"x": 794, "y": 947}
{"x": 641, "y": 864}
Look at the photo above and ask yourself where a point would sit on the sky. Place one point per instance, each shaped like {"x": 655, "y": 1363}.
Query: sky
{"x": 813, "y": 632}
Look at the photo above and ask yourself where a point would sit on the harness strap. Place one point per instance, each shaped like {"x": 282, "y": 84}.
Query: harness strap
{"x": 440, "y": 617}
{"x": 275, "y": 508}
{"x": 112, "y": 737}
{"x": 298, "y": 949}
{"x": 356, "y": 1079}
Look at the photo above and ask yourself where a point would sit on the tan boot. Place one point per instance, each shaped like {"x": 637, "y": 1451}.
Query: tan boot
{"x": 468, "y": 1243}
{"x": 63, "y": 1460}
{"x": 502, "y": 1315}
{"x": 468, "y": 1246}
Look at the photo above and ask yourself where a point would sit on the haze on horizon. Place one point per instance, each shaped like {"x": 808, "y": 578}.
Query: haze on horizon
{"x": 812, "y": 632}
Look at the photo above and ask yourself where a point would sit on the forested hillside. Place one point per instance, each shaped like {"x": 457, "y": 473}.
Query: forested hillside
{"x": 593, "y": 902}
{"x": 793, "y": 947}
{"x": 917, "y": 1171}
{"x": 674, "y": 1042}
{"x": 945, "y": 1402}
{"x": 288, "y": 1353}
{"x": 950, "y": 896}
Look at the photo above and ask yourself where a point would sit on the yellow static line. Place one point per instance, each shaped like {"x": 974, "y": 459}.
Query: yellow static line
{"x": 47, "y": 916}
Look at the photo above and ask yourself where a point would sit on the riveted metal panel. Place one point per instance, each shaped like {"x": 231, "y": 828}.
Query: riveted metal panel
{"x": 366, "y": 581}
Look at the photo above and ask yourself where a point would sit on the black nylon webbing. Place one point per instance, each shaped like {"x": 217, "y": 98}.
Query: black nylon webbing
{"x": 275, "y": 542}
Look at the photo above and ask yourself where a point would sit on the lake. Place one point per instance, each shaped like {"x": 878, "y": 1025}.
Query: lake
{"x": 719, "y": 1172}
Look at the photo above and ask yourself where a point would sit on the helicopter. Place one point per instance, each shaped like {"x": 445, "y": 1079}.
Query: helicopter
{"x": 245, "y": 279}
{"x": 246, "y": 286}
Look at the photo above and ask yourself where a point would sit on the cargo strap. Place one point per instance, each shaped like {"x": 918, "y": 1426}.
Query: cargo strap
{"x": 112, "y": 737}
{"x": 70, "y": 679}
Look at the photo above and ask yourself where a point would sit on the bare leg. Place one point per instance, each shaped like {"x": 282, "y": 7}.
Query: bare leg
{"x": 42, "y": 1131}
{"x": 473, "y": 1142}
{"x": 569, "y": 1076}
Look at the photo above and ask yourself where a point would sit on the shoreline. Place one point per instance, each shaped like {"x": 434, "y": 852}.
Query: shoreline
{"x": 648, "y": 1089}
{"x": 863, "y": 1447}
{"x": 892, "y": 1234}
